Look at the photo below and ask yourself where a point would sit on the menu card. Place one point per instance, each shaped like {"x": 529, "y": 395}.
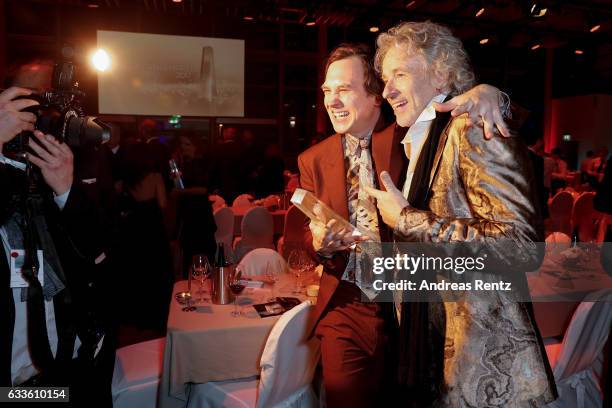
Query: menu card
{"x": 277, "y": 307}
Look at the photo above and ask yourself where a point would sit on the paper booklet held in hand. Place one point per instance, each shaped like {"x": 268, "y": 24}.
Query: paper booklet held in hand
{"x": 319, "y": 212}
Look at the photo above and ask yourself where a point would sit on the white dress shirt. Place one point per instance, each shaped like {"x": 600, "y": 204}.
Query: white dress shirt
{"x": 416, "y": 136}
{"x": 22, "y": 367}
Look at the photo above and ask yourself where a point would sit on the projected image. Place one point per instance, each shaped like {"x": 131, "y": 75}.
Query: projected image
{"x": 166, "y": 75}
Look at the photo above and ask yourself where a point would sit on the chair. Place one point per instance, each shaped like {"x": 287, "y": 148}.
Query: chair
{"x": 272, "y": 202}
{"x": 224, "y": 218}
{"x": 287, "y": 364}
{"x": 561, "y": 212}
{"x": 579, "y": 366}
{"x": 260, "y": 260}
{"x": 243, "y": 201}
{"x": 584, "y": 217}
{"x": 136, "y": 376}
{"x": 217, "y": 201}
{"x": 293, "y": 233}
{"x": 257, "y": 231}
{"x": 293, "y": 183}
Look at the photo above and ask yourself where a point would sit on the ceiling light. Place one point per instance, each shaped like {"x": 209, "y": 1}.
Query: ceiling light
{"x": 596, "y": 27}
{"x": 484, "y": 41}
{"x": 537, "y": 10}
{"x": 374, "y": 29}
{"x": 535, "y": 46}
{"x": 480, "y": 12}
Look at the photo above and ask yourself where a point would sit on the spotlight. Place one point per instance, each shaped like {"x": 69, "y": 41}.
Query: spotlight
{"x": 248, "y": 18}
{"x": 484, "y": 41}
{"x": 100, "y": 60}
{"x": 535, "y": 46}
{"x": 537, "y": 10}
{"x": 480, "y": 12}
{"x": 596, "y": 27}
{"x": 578, "y": 52}
{"x": 374, "y": 29}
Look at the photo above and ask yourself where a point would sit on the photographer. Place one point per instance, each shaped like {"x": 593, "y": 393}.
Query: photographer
{"x": 51, "y": 336}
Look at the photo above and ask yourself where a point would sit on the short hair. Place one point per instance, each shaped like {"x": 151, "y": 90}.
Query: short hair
{"x": 371, "y": 82}
{"x": 442, "y": 51}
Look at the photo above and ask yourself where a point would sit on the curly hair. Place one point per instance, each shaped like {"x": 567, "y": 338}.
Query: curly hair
{"x": 442, "y": 51}
{"x": 372, "y": 83}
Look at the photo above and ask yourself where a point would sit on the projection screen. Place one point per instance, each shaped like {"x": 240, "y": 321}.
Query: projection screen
{"x": 154, "y": 74}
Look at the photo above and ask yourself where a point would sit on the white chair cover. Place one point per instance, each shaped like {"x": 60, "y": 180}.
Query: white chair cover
{"x": 257, "y": 232}
{"x": 217, "y": 201}
{"x": 580, "y": 363}
{"x": 288, "y": 362}
{"x": 287, "y": 367}
{"x": 224, "y": 218}
{"x": 260, "y": 260}
{"x": 243, "y": 200}
{"x": 136, "y": 376}
{"x": 561, "y": 212}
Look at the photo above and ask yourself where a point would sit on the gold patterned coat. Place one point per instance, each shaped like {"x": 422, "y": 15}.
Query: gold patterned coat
{"x": 481, "y": 191}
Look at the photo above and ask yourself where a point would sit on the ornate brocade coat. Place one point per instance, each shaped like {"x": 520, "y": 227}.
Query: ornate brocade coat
{"x": 481, "y": 191}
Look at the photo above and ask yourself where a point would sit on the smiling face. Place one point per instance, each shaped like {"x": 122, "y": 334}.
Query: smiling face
{"x": 409, "y": 86}
{"x": 351, "y": 109}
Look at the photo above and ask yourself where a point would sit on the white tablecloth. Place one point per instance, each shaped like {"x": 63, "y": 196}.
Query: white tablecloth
{"x": 210, "y": 345}
{"x": 555, "y": 297}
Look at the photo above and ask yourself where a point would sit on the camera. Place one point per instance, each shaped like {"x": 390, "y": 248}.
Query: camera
{"x": 61, "y": 115}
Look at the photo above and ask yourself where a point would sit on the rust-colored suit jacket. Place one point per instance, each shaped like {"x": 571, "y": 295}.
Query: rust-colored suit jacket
{"x": 323, "y": 172}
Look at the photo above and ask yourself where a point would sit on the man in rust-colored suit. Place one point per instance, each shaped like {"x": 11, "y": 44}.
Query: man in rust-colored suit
{"x": 354, "y": 330}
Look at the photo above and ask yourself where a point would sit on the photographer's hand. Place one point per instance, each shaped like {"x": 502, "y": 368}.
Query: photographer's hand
{"x": 12, "y": 121}
{"x": 55, "y": 161}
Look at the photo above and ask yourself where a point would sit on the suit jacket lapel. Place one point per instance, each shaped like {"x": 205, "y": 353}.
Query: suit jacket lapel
{"x": 334, "y": 175}
{"x": 438, "y": 127}
{"x": 388, "y": 155}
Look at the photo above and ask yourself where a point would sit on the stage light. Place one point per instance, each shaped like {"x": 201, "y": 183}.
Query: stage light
{"x": 484, "y": 41}
{"x": 177, "y": 1}
{"x": 248, "y": 18}
{"x": 374, "y": 29}
{"x": 480, "y": 12}
{"x": 578, "y": 52}
{"x": 535, "y": 46}
{"x": 410, "y": 4}
{"x": 100, "y": 60}
{"x": 537, "y": 10}
{"x": 596, "y": 27}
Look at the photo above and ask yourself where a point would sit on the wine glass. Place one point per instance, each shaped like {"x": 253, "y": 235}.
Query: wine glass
{"x": 236, "y": 286}
{"x": 200, "y": 268}
{"x": 296, "y": 261}
{"x": 272, "y": 277}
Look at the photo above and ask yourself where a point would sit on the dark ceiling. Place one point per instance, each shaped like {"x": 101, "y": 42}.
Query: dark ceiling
{"x": 35, "y": 27}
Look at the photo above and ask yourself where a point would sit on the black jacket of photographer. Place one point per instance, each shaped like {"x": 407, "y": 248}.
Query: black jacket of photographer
{"x": 68, "y": 229}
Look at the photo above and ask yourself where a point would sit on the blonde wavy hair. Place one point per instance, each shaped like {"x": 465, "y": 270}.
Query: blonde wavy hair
{"x": 442, "y": 51}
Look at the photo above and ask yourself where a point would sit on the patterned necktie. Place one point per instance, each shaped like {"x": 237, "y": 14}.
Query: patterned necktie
{"x": 363, "y": 211}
